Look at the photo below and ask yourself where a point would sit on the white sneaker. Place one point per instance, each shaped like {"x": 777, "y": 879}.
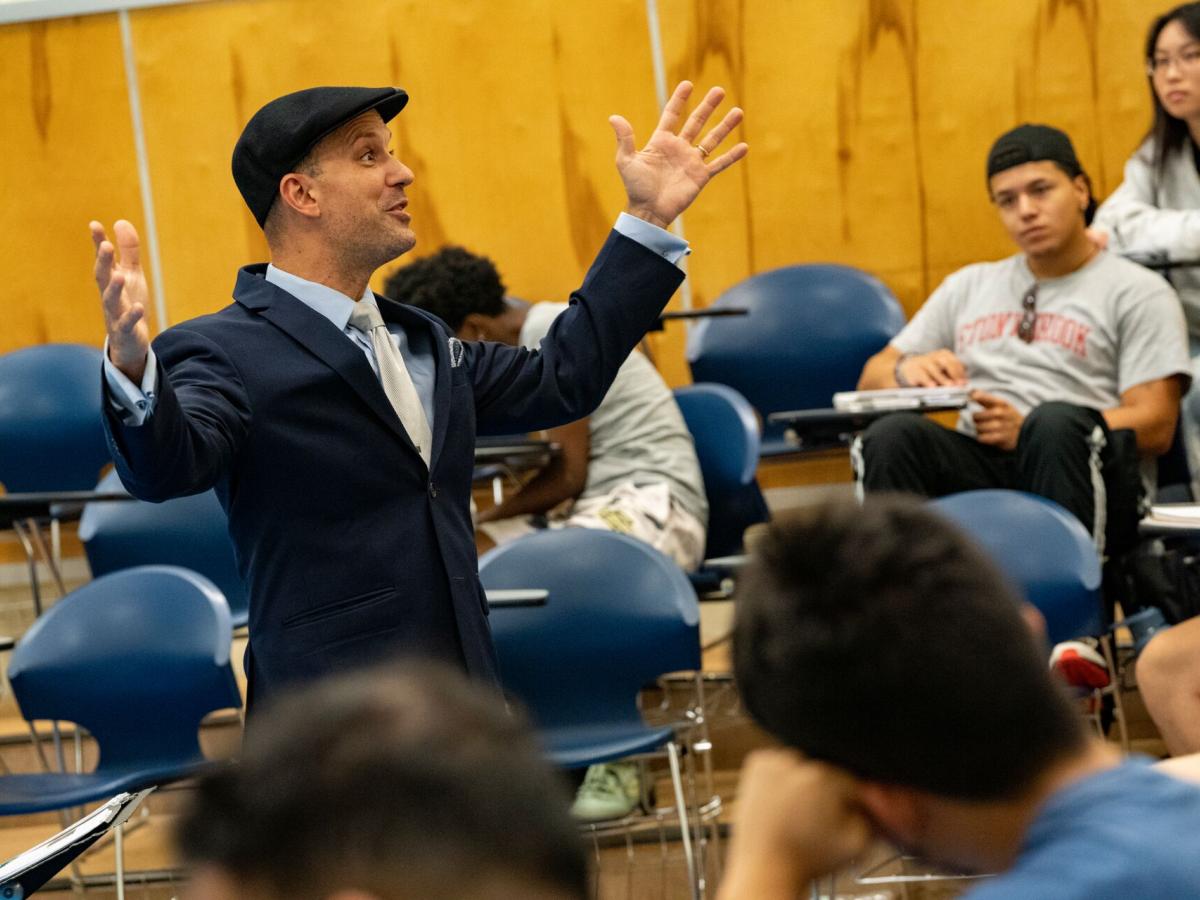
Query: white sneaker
{"x": 609, "y": 791}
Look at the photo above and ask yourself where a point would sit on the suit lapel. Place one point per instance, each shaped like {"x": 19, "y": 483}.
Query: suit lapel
{"x": 322, "y": 339}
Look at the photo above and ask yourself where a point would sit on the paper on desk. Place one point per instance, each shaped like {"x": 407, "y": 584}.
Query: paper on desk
{"x": 1188, "y": 513}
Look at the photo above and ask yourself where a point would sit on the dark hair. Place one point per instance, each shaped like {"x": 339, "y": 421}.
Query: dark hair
{"x": 879, "y": 639}
{"x": 451, "y": 284}
{"x": 408, "y": 783}
{"x": 1168, "y": 133}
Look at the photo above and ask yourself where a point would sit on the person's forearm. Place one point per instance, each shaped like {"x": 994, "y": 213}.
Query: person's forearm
{"x": 762, "y": 880}
{"x": 1154, "y": 430}
{"x": 546, "y": 490}
{"x": 880, "y": 371}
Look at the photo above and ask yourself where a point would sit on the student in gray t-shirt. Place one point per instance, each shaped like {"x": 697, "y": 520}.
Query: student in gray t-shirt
{"x": 1061, "y": 345}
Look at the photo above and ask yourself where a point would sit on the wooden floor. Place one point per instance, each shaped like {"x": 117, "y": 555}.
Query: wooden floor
{"x": 652, "y": 867}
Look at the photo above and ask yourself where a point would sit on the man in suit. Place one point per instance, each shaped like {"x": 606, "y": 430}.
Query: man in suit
{"x": 338, "y": 427}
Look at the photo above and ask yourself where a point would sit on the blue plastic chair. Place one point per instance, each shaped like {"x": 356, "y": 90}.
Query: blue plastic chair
{"x": 619, "y": 614}
{"x": 191, "y": 532}
{"x": 51, "y": 434}
{"x": 725, "y": 432}
{"x": 138, "y": 658}
{"x": 1044, "y": 550}
{"x": 809, "y": 331}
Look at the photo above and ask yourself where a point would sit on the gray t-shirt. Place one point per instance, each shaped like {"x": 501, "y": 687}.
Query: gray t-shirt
{"x": 1106, "y": 327}
{"x": 637, "y": 432}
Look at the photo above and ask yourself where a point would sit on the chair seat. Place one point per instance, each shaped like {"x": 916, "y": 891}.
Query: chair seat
{"x": 45, "y": 791}
{"x": 577, "y": 746}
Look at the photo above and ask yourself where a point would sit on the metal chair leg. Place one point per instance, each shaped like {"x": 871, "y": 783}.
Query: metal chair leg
{"x": 119, "y": 850}
{"x": 1115, "y": 686}
{"x": 681, "y": 808}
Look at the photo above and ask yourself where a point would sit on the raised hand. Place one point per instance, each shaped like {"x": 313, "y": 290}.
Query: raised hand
{"x": 664, "y": 177}
{"x": 124, "y": 297}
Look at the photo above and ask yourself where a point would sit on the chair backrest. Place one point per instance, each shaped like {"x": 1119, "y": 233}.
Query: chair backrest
{"x": 51, "y": 433}
{"x": 191, "y": 532}
{"x": 809, "y": 331}
{"x": 1044, "y": 550}
{"x": 138, "y": 658}
{"x": 619, "y": 614}
{"x": 725, "y": 432}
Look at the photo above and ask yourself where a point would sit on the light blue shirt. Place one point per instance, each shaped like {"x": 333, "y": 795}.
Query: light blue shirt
{"x": 135, "y": 403}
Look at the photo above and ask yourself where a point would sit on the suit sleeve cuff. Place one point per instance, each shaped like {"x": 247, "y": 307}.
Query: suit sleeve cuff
{"x": 132, "y": 403}
{"x": 662, "y": 242}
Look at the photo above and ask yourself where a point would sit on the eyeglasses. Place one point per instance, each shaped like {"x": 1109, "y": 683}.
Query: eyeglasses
{"x": 1029, "y": 316}
{"x": 1186, "y": 60}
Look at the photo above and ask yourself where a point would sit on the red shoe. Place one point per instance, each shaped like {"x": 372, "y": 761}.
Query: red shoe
{"x": 1080, "y": 665}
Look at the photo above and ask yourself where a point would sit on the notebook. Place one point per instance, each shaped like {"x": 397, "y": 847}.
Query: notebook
{"x": 901, "y": 398}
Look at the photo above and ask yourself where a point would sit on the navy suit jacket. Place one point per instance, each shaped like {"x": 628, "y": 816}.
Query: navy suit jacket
{"x": 352, "y": 548}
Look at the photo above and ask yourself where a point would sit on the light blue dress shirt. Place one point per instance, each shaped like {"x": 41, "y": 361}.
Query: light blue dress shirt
{"x": 135, "y": 403}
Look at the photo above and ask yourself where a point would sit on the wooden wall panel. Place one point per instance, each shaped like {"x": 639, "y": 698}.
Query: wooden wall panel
{"x": 67, "y": 157}
{"x": 506, "y": 131}
{"x": 869, "y": 121}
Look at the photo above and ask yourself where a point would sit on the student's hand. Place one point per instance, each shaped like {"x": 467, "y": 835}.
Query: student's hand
{"x": 664, "y": 177}
{"x": 935, "y": 369}
{"x": 1098, "y": 237}
{"x": 123, "y": 295}
{"x": 796, "y": 820}
{"x": 998, "y": 424}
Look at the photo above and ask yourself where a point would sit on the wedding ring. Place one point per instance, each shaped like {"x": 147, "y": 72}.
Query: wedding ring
{"x": 703, "y": 152}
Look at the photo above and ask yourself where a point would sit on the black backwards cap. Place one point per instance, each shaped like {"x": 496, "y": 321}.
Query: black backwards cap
{"x": 1032, "y": 143}
{"x": 282, "y": 133}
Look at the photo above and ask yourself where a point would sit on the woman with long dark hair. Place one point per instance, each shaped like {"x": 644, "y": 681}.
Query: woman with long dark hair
{"x": 1156, "y": 210}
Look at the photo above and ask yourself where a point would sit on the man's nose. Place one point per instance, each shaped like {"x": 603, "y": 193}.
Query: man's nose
{"x": 1025, "y": 206}
{"x": 400, "y": 174}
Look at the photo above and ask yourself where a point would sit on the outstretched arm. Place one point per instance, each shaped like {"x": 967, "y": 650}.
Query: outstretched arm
{"x": 665, "y": 176}
{"x": 123, "y": 297}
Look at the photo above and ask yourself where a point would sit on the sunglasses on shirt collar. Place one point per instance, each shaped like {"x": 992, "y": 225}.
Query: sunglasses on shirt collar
{"x": 1029, "y": 314}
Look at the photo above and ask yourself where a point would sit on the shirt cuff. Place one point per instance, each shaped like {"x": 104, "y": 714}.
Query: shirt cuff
{"x": 662, "y": 242}
{"x": 133, "y": 404}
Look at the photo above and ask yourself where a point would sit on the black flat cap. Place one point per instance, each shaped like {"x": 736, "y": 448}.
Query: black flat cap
{"x": 1032, "y": 143}
{"x": 281, "y": 133}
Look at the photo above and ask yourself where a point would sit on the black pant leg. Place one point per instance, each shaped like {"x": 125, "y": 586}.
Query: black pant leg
{"x": 908, "y": 452}
{"x": 1062, "y": 453}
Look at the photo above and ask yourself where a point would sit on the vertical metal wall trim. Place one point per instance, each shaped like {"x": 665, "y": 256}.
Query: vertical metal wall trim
{"x": 149, "y": 231}
{"x": 660, "y": 89}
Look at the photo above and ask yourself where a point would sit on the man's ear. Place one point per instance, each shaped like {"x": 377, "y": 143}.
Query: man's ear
{"x": 296, "y": 190}
{"x": 895, "y": 811}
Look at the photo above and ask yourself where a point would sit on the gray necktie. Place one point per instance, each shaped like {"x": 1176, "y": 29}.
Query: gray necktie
{"x": 397, "y": 383}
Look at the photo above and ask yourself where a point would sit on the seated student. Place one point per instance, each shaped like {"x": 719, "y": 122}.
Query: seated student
{"x": 629, "y": 467}
{"x": 1156, "y": 208}
{"x": 890, "y": 657}
{"x": 387, "y": 784}
{"x": 1061, "y": 344}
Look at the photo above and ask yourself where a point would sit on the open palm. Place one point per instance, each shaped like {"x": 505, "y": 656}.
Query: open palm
{"x": 124, "y": 296}
{"x": 666, "y": 175}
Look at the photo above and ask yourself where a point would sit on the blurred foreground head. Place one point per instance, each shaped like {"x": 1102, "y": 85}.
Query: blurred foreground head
{"x": 386, "y": 784}
{"x": 880, "y": 639}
